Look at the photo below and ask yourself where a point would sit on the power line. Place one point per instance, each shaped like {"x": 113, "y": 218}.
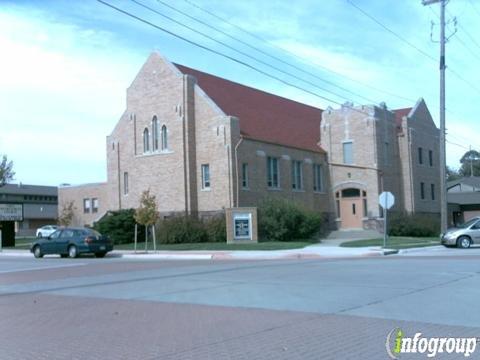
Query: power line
{"x": 391, "y": 31}
{"x": 472, "y": 39}
{"x": 458, "y": 36}
{"x": 260, "y": 50}
{"x": 474, "y": 7}
{"x": 460, "y": 138}
{"x": 229, "y": 57}
{"x": 293, "y": 55}
{"x": 411, "y": 45}
{"x": 459, "y": 145}
{"x": 248, "y": 55}
{"x": 219, "y": 53}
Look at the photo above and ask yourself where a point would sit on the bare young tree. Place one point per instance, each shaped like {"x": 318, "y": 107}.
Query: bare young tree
{"x": 147, "y": 215}
{"x": 6, "y": 171}
{"x": 66, "y": 214}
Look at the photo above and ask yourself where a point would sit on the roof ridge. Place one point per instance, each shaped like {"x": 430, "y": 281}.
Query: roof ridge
{"x": 246, "y": 86}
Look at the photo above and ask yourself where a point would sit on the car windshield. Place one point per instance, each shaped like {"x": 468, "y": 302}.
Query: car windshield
{"x": 468, "y": 223}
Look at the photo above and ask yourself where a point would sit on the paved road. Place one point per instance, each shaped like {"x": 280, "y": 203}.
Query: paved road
{"x": 310, "y": 309}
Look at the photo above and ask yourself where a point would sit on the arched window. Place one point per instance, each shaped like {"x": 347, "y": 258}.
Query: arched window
{"x": 146, "y": 141}
{"x": 164, "y": 138}
{"x": 155, "y": 133}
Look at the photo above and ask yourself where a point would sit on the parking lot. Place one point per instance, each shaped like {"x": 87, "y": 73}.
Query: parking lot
{"x": 115, "y": 308}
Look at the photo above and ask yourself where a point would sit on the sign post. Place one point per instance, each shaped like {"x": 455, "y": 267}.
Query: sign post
{"x": 386, "y": 201}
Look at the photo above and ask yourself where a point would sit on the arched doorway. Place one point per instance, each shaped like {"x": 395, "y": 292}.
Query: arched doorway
{"x": 351, "y": 206}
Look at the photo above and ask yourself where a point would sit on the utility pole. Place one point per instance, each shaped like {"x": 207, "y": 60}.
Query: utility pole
{"x": 471, "y": 162}
{"x": 443, "y": 187}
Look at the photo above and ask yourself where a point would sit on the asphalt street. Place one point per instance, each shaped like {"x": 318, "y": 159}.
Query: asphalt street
{"x": 115, "y": 308}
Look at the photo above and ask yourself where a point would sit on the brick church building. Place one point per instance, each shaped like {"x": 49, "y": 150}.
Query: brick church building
{"x": 201, "y": 144}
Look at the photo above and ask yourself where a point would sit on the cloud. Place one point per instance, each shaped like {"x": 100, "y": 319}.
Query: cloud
{"x": 61, "y": 93}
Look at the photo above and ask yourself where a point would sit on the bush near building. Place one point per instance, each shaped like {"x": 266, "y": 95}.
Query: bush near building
{"x": 278, "y": 220}
{"x": 120, "y": 226}
{"x": 181, "y": 229}
{"x": 281, "y": 220}
{"x": 189, "y": 229}
{"x": 417, "y": 225}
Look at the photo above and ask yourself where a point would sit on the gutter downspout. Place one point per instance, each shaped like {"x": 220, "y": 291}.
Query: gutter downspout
{"x": 410, "y": 165}
{"x": 119, "y": 172}
{"x": 236, "y": 169}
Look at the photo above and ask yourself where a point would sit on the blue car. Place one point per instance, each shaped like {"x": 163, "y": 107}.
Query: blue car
{"x": 72, "y": 242}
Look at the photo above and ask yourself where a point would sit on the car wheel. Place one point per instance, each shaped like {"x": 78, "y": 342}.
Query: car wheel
{"x": 464, "y": 242}
{"x": 72, "y": 251}
{"x": 37, "y": 252}
{"x": 100, "y": 254}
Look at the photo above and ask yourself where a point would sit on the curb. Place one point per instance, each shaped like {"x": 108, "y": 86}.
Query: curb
{"x": 15, "y": 253}
{"x": 227, "y": 255}
{"x": 168, "y": 256}
{"x": 390, "y": 252}
{"x": 420, "y": 249}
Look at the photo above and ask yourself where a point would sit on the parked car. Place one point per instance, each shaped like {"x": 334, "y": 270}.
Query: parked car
{"x": 46, "y": 230}
{"x": 464, "y": 235}
{"x": 72, "y": 242}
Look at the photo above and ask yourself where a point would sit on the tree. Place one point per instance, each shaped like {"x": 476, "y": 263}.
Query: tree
{"x": 147, "y": 214}
{"x": 119, "y": 225}
{"x": 6, "y": 171}
{"x": 67, "y": 213}
{"x": 453, "y": 174}
{"x": 470, "y": 161}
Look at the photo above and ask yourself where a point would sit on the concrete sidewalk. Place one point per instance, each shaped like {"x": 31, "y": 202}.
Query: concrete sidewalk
{"x": 317, "y": 251}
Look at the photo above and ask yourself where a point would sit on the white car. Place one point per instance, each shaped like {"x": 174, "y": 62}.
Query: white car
{"x": 46, "y": 230}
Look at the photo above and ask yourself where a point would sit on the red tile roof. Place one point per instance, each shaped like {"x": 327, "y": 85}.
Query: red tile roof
{"x": 263, "y": 116}
{"x": 399, "y": 114}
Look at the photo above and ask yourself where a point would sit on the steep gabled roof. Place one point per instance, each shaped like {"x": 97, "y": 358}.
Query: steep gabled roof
{"x": 263, "y": 116}
{"x": 399, "y": 114}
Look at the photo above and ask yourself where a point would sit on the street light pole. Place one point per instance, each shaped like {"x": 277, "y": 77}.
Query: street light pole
{"x": 443, "y": 175}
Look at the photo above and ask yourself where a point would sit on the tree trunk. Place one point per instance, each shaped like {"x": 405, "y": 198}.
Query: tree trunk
{"x": 154, "y": 239}
{"x": 135, "y": 246}
{"x": 146, "y": 238}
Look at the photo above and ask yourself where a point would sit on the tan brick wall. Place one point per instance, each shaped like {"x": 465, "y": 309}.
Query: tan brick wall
{"x": 420, "y": 131}
{"x": 376, "y": 166}
{"x": 255, "y": 154}
{"x": 200, "y": 133}
{"x": 213, "y": 147}
{"x": 77, "y": 194}
{"x": 156, "y": 91}
{"x": 379, "y": 167}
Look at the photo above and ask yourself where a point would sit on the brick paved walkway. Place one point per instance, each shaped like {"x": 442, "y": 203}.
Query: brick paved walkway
{"x": 260, "y": 310}
{"x": 57, "y": 327}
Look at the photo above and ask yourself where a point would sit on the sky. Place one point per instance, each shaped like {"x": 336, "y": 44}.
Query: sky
{"x": 65, "y": 66}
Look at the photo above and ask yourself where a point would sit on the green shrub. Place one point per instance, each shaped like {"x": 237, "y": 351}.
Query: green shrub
{"x": 181, "y": 229}
{"x": 280, "y": 220}
{"x": 414, "y": 225}
{"x": 120, "y": 226}
{"x": 311, "y": 225}
{"x": 216, "y": 229}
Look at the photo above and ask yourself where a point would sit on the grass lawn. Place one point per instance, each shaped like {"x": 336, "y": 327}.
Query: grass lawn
{"x": 272, "y": 245}
{"x": 22, "y": 243}
{"x": 395, "y": 242}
